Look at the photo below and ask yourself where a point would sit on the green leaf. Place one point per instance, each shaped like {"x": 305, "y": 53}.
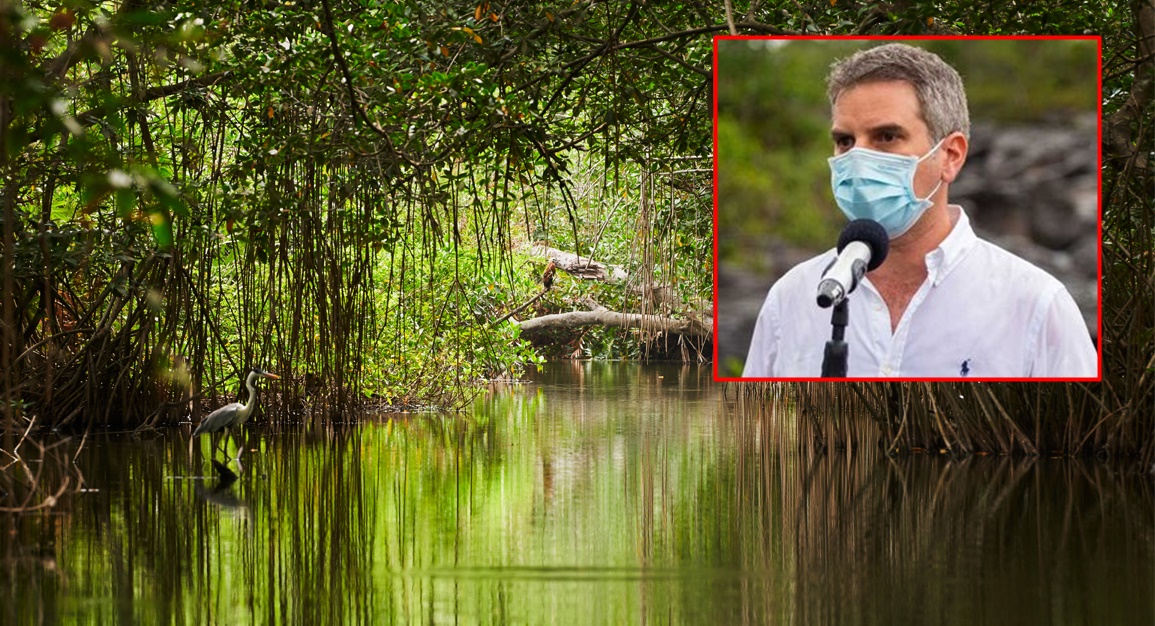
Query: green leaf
{"x": 125, "y": 202}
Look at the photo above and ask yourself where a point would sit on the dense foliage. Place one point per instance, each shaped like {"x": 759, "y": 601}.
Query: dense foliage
{"x": 337, "y": 192}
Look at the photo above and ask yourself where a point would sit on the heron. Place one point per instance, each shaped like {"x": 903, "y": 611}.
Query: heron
{"x": 236, "y": 413}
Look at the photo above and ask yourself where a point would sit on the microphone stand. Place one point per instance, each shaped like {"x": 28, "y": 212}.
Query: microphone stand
{"x": 862, "y": 247}
{"x": 834, "y": 359}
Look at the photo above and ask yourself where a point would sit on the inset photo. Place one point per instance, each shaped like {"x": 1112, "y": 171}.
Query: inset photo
{"x": 907, "y": 209}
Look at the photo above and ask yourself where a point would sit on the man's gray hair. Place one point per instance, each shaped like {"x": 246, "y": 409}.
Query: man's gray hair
{"x": 939, "y": 87}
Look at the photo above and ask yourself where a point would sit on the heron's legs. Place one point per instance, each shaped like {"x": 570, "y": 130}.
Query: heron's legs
{"x": 221, "y": 442}
{"x": 239, "y": 443}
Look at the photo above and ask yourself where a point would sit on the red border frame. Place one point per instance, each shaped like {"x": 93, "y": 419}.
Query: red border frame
{"x": 1099, "y": 183}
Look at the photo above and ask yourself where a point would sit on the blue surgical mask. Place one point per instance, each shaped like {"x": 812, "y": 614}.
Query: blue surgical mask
{"x": 880, "y": 186}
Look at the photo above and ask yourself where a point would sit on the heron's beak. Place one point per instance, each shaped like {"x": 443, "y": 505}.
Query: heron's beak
{"x": 271, "y": 375}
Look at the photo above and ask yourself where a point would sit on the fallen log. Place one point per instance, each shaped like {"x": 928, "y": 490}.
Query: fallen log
{"x": 588, "y": 269}
{"x": 580, "y": 266}
{"x": 614, "y": 319}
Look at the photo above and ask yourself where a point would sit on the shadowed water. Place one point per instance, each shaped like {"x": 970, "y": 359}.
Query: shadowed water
{"x": 596, "y": 494}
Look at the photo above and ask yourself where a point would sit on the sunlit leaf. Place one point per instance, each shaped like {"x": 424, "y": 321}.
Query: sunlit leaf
{"x": 161, "y": 229}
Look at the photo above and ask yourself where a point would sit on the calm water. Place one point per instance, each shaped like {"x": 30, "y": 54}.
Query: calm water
{"x": 597, "y": 494}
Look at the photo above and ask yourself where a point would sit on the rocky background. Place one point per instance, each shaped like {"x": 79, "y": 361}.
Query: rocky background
{"x": 1030, "y": 189}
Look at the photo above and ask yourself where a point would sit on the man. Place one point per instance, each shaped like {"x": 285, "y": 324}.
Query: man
{"x": 944, "y": 304}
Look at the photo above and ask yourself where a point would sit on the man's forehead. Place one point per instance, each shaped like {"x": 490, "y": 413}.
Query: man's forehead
{"x": 897, "y": 88}
{"x": 874, "y": 105}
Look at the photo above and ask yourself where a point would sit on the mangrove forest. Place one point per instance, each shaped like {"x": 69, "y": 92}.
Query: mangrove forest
{"x": 392, "y": 204}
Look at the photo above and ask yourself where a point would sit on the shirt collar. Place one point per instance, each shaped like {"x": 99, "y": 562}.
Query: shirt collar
{"x": 941, "y": 261}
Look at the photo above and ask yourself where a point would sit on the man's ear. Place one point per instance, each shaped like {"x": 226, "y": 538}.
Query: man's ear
{"x": 955, "y": 147}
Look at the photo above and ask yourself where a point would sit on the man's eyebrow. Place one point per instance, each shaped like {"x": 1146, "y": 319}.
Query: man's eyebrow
{"x": 894, "y": 129}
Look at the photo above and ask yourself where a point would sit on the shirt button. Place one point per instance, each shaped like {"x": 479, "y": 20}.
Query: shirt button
{"x": 886, "y": 370}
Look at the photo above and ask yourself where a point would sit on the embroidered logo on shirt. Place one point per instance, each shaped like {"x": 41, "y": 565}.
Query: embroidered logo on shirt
{"x": 965, "y": 369}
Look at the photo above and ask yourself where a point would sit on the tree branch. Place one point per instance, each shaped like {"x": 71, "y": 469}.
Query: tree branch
{"x": 606, "y": 48}
{"x": 730, "y": 17}
{"x": 358, "y": 109}
{"x": 521, "y": 308}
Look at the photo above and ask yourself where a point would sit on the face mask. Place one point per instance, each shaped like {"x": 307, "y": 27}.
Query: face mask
{"x": 880, "y": 186}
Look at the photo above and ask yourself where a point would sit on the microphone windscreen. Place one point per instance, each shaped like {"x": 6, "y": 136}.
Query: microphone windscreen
{"x": 870, "y": 233}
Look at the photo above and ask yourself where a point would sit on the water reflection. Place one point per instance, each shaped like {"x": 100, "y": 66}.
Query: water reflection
{"x": 221, "y": 493}
{"x": 596, "y": 494}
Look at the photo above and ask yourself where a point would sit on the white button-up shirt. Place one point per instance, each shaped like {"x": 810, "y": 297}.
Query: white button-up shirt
{"x": 982, "y": 312}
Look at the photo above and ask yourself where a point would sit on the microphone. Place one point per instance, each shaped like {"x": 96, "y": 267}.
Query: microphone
{"x": 862, "y": 247}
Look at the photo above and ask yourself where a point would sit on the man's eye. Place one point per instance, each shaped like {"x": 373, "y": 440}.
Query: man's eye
{"x": 888, "y": 137}
{"x": 844, "y": 143}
